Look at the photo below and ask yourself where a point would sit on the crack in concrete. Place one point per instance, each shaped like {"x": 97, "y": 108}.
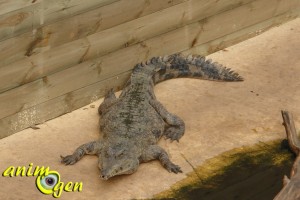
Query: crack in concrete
{"x": 194, "y": 168}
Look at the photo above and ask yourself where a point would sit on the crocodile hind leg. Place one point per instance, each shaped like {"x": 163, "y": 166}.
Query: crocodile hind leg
{"x": 90, "y": 148}
{"x": 109, "y": 100}
{"x": 176, "y": 125}
{"x": 155, "y": 152}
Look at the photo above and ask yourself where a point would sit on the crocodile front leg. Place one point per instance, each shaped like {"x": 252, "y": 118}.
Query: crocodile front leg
{"x": 155, "y": 152}
{"x": 109, "y": 100}
{"x": 90, "y": 148}
{"x": 176, "y": 125}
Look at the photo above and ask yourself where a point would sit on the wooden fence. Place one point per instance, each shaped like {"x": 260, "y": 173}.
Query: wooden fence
{"x": 59, "y": 55}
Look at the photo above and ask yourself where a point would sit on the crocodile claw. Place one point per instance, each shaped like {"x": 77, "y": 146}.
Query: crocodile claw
{"x": 173, "y": 168}
{"x": 173, "y": 133}
{"x": 68, "y": 160}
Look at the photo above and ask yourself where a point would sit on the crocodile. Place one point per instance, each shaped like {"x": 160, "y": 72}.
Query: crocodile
{"x": 133, "y": 123}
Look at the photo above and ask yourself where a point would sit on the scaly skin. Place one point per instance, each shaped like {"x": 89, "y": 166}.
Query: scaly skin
{"x": 133, "y": 123}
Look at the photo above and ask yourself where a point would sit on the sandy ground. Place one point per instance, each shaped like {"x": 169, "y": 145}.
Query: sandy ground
{"x": 218, "y": 116}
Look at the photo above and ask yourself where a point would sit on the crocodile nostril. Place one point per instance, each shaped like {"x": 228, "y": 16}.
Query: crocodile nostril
{"x": 103, "y": 177}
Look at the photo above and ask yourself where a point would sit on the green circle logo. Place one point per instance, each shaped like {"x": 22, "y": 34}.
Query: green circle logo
{"x": 47, "y": 183}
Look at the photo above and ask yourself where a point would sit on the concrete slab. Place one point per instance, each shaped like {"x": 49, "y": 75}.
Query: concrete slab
{"x": 218, "y": 116}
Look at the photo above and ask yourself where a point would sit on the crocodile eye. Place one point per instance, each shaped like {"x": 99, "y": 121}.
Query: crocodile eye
{"x": 120, "y": 153}
{"x": 46, "y": 183}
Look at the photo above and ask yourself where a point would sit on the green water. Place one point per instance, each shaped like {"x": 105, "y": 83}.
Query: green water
{"x": 254, "y": 173}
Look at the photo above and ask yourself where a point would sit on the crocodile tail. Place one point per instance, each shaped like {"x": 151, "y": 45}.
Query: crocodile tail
{"x": 191, "y": 66}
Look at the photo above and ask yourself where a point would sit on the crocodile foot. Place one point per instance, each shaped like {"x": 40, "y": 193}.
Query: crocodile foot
{"x": 68, "y": 160}
{"x": 173, "y": 133}
{"x": 171, "y": 167}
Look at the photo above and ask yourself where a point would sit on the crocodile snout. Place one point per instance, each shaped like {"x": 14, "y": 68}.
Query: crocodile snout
{"x": 104, "y": 176}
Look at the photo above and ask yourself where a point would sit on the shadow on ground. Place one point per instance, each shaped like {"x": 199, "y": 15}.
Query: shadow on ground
{"x": 254, "y": 172}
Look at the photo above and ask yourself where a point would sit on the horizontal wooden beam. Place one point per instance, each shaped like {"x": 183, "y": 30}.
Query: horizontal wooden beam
{"x": 118, "y": 37}
{"x": 241, "y": 35}
{"x": 40, "y": 13}
{"x": 7, "y": 6}
{"x": 49, "y": 36}
{"x": 60, "y": 105}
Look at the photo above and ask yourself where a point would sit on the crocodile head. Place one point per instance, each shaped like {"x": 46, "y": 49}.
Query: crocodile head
{"x": 117, "y": 160}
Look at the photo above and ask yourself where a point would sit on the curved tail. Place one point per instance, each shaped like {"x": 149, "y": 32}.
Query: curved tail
{"x": 192, "y": 66}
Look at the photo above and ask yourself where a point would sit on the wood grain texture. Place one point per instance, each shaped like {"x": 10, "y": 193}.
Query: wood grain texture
{"x": 7, "y": 6}
{"x": 156, "y": 24}
{"x": 290, "y": 190}
{"x": 291, "y": 132}
{"x": 19, "y": 21}
{"x": 137, "y": 31}
{"x": 67, "y": 102}
{"x": 241, "y": 35}
{"x": 112, "y": 39}
{"x": 122, "y": 60}
{"x": 75, "y": 99}
{"x": 79, "y": 26}
{"x": 42, "y": 12}
{"x": 60, "y": 105}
